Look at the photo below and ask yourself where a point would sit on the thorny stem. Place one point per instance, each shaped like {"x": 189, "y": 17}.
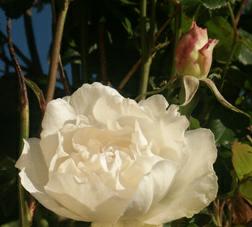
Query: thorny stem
{"x": 24, "y": 122}
{"x": 56, "y": 50}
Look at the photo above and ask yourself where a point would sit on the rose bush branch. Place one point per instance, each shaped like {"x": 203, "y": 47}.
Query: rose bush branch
{"x": 56, "y": 49}
{"x": 136, "y": 66}
{"x": 63, "y": 76}
{"x": 24, "y": 123}
{"x": 146, "y": 44}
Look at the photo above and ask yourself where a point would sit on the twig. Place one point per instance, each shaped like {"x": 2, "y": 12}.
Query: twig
{"x": 56, "y": 50}
{"x": 38, "y": 93}
{"x": 146, "y": 62}
{"x": 130, "y": 73}
{"x": 63, "y": 77}
{"x": 136, "y": 66}
{"x": 25, "y": 59}
{"x": 238, "y": 15}
{"x": 146, "y": 47}
{"x": 24, "y": 121}
{"x": 7, "y": 61}
{"x": 163, "y": 27}
{"x": 102, "y": 50}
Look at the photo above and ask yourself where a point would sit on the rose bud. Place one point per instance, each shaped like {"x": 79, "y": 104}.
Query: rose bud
{"x": 194, "y": 53}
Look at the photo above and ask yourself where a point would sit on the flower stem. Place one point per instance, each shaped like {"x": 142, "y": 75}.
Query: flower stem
{"x": 56, "y": 49}
{"x": 146, "y": 44}
{"x": 62, "y": 73}
{"x": 24, "y": 122}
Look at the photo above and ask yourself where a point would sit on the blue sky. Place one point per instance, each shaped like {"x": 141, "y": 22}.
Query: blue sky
{"x": 42, "y": 32}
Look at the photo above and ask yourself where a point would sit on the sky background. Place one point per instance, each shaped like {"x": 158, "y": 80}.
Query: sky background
{"x": 42, "y": 31}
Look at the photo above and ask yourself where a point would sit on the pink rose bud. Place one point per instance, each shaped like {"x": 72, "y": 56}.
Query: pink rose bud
{"x": 194, "y": 53}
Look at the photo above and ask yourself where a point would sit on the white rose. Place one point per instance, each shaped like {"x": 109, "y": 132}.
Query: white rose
{"x": 107, "y": 159}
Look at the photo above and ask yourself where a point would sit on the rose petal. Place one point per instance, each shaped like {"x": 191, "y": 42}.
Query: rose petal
{"x": 152, "y": 188}
{"x": 109, "y": 110}
{"x": 48, "y": 146}
{"x": 84, "y": 99}
{"x": 57, "y": 113}
{"x": 34, "y": 175}
{"x": 195, "y": 185}
{"x": 205, "y": 56}
{"x": 89, "y": 198}
{"x": 123, "y": 224}
{"x": 154, "y": 105}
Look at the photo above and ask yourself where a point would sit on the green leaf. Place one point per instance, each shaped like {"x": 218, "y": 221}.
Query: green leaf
{"x": 11, "y": 224}
{"x": 223, "y": 135}
{"x": 38, "y": 93}
{"x": 246, "y": 190}
{"x": 219, "y": 28}
{"x": 127, "y": 26}
{"x": 245, "y": 52}
{"x": 214, "y": 4}
{"x": 126, "y": 2}
{"x": 194, "y": 123}
{"x": 242, "y": 159}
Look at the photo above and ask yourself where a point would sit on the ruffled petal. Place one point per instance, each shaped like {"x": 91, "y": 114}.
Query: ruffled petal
{"x": 194, "y": 186}
{"x": 107, "y": 110}
{"x": 155, "y": 105}
{"x": 34, "y": 175}
{"x": 84, "y": 99}
{"x": 57, "y": 113}
{"x": 123, "y": 224}
{"x": 152, "y": 188}
{"x": 87, "y": 196}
